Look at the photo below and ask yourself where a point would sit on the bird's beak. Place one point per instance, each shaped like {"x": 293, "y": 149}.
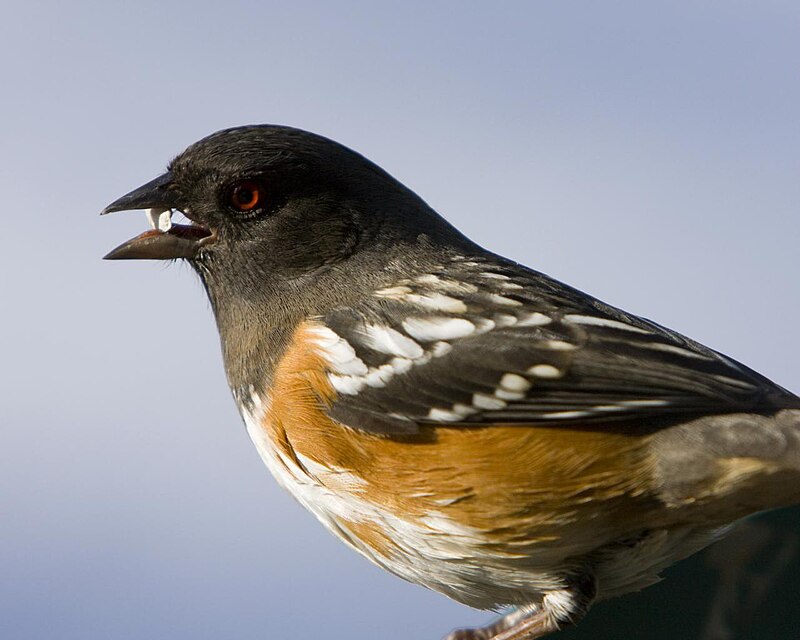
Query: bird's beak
{"x": 164, "y": 241}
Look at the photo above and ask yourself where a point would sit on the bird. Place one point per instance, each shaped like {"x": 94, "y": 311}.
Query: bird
{"x": 465, "y": 422}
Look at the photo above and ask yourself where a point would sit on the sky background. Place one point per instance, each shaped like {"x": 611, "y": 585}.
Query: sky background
{"x": 646, "y": 152}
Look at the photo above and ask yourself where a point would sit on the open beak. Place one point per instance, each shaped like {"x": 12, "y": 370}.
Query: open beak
{"x": 164, "y": 240}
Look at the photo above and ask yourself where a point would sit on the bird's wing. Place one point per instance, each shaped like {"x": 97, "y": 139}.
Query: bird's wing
{"x": 483, "y": 341}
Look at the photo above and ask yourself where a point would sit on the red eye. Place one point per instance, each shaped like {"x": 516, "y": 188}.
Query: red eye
{"x": 246, "y": 195}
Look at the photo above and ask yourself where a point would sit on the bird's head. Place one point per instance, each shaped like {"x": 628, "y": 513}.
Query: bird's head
{"x": 278, "y": 214}
{"x": 275, "y": 204}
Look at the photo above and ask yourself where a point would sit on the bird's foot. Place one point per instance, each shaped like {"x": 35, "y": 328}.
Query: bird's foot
{"x": 557, "y": 609}
{"x": 519, "y": 625}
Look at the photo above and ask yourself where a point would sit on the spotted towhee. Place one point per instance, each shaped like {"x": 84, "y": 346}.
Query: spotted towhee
{"x": 465, "y": 422}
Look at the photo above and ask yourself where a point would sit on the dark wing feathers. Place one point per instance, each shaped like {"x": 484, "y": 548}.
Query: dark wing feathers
{"x": 540, "y": 353}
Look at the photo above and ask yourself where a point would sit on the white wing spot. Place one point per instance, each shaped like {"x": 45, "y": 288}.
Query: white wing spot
{"x": 347, "y": 385}
{"x": 559, "y": 345}
{"x": 508, "y": 395}
{"x": 482, "y": 325}
{"x": 514, "y": 382}
{"x": 733, "y": 381}
{"x": 443, "y": 415}
{"x": 464, "y": 410}
{"x": 671, "y": 348}
{"x": 379, "y": 376}
{"x": 607, "y": 407}
{"x": 603, "y": 322}
{"x": 502, "y": 300}
{"x": 323, "y": 336}
{"x": 337, "y": 352}
{"x": 401, "y": 365}
{"x": 441, "y": 348}
{"x": 392, "y": 342}
{"x": 545, "y": 371}
{"x": 512, "y": 387}
{"x": 505, "y": 320}
{"x": 482, "y": 401}
{"x": 457, "y": 412}
{"x": 644, "y": 403}
{"x": 534, "y": 319}
{"x": 438, "y": 302}
{"x": 438, "y": 328}
{"x": 732, "y": 364}
{"x": 565, "y": 415}
{"x": 354, "y": 366}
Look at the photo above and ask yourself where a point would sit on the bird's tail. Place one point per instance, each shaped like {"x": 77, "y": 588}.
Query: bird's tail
{"x": 730, "y": 466}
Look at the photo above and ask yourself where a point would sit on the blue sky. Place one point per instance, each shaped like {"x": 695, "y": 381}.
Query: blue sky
{"x": 644, "y": 152}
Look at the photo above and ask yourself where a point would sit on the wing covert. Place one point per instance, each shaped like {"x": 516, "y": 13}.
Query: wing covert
{"x": 482, "y": 341}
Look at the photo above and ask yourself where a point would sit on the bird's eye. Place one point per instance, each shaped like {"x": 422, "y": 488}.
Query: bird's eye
{"x": 246, "y": 195}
